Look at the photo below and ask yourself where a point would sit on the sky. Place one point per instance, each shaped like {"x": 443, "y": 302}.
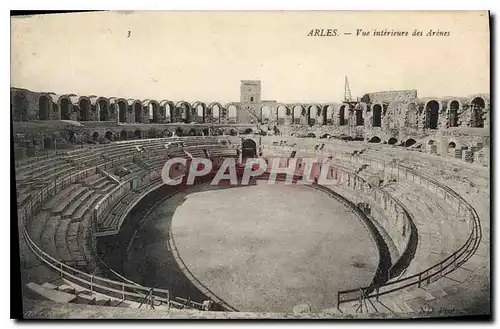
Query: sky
{"x": 204, "y": 55}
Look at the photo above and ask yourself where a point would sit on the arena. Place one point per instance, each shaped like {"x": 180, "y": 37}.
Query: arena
{"x": 406, "y": 230}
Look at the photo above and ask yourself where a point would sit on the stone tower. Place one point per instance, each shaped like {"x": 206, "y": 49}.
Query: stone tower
{"x": 250, "y": 100}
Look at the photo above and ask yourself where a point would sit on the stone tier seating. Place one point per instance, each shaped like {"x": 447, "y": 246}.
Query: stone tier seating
{"x": 63, "y": 224}
{"x": 440, "y": 233}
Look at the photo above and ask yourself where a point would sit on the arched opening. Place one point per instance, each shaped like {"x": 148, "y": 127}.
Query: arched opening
{"x": 216, "y": 109}
{"x": 281, "y": 113}
{"x": 137, "y": 112}
{"x": 326, "y": 136}
{"x": 477, "y": 106}
{"x": 151, "y": 133}
{"x": 248, "y": 149}
{"x": 247, "y": 131}
{"x": 342, "y": 120}
{"x": 217, "y": 132}
{"x": 431, "y": 142}
{"x": 330, "y": 110}
{"x": 200, "y": 113}
{"x": 47, "y": 143}
{"x": 454, "y": 106}
{"x": 184, "y": 112}
{"x": 324, "y": 115}
{"x": 392, "y": 141}
{"x": 166, "y": 133}
{"x": 298, "y": 111}
{"x": 377, "y": 116}
{"x": 311, "y": 135}
{"x": 375, "y": 139}
{"x": 84, "y": 105}
{"x": 65, "y": 109}
{"x": 122, "y": 111}
{"x": 43, "y": 108}
{"x": 452, "y": 145}
{"x": 123, "y": 135}
{"x": 192, "y": 132}
{"x": 233, "y": 132}
{"x": 432, "y": 111}
{"x": 409, "y": 142}
{"x": 359, "y": 117}
{"x": 178, "y": 132}
{"x": 108, "y": 135}
{"x": 232, "y": 111}
{"x": 137, "y": 134}
{"x": 154, "y": 112}
{"x": 95, "y": 135}
{"x": 168, "y": 110}
{"x": 20, "y": 110}
{"x": 103, "y": 110}
{"x": 265, "y": 112}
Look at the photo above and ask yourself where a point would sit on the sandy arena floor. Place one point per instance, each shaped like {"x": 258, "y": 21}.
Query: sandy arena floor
{"x": 260, "y": 248}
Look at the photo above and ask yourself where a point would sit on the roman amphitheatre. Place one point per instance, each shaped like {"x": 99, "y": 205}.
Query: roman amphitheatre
{"x": 404, "y": 230}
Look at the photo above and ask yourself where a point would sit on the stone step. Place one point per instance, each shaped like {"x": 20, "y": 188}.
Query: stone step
{"x": 77, "y": 203}
{"x": 48, "y": 236}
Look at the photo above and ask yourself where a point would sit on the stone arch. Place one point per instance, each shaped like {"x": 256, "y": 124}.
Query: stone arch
{"x": 232, "y": 110}
{"x": 311, "y": 135}
{"x": 282, "y": 113}
{"x": 453, "y": 113}
{"x": 103, "y": 109}
{"x": 137, "y": 111}
{"x": 123, "y": 135}
{"x": 330, "y": 112}
{"x": 108, "y": 135}
{"x": 199, "y": 109}
{"x": 233, "y": 132}
{"x": 214, "y": 112}
{"x": 44, "y": 103}
{"x": 192, "y": 132}
{"x": 432, "y": 109}
{"x": 478, "y": 106}
{"x": 298, "y": 111}
{"x": 183, "y": 112}
{"x": 342, "y": 120}
{"x": 152, "y": 133}
{"x": 374, "y": 139}
{"x": 85, "y": 106}
{"x": 218, "y": 132}
{"x": 167, "y": 111}
{"x": 152, "y": 110}
{"x": 392, "y": 141}
{"x": 409, "y": 142}
{"x": 179, "y": 132}
{"x": 138, "y": 133}
{"x": 431, "y": 142}
{"x": 122, "y": 110}
{"x": 358, "y": 112}
{"x": 48, "y": 143}
{"x": 95, "y": 135}
{"x": 247, "y": 131}
{"x": 313, "y": 114}
{"x": 166, "y": 133}
{"x": 377, "y": 115}
{"x": 248, "y": 148}
{"x": 452, "y": 145}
